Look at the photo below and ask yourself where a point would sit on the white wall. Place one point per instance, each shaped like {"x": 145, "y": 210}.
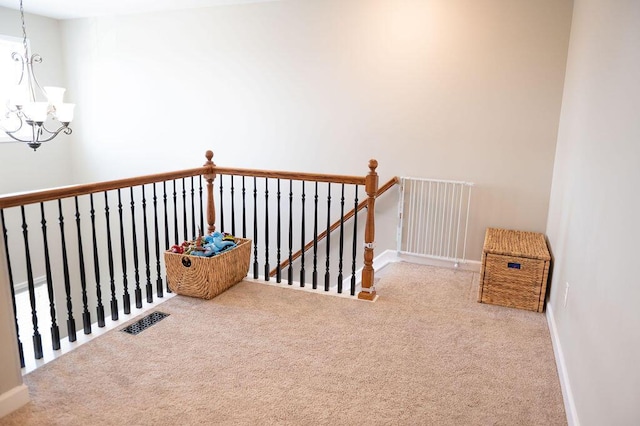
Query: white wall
{"x": 22, "y": 169}
{"x": 593, "y": 227}
{"x": 456, "y": 89}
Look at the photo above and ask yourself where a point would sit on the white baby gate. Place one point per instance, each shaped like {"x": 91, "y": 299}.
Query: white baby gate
{"x": 434, "y": 218}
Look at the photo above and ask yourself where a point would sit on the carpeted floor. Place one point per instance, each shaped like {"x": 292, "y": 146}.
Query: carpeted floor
{"x": 426, "y": 353}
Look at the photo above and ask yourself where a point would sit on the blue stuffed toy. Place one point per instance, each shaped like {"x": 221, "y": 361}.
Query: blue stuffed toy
{"x": 214, "y": 244}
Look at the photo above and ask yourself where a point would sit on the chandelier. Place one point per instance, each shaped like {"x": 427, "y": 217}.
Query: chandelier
{"x": 27, "y": 118}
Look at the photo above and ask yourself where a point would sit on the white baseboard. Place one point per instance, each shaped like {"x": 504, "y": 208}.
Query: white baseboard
{"x": 13, "y": 399}
{"x": 24, "y": 286}
{"x": 567, "y": 394}
{"x": 466, "y": 265}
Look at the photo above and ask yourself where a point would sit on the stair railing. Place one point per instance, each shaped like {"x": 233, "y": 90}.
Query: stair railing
{"x": 112, "y": 257}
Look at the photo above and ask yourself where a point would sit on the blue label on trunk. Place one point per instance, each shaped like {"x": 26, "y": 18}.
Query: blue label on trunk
{"x": 513, "y": 265}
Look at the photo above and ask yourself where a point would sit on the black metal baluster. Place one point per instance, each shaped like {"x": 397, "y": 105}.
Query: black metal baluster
{"x": 327, "y": 275}
{"x": 166, "y": 226}
{"x": 112, "y": 277}
{"x": 315, "y": 239}
{"x": 221, "y": 204}
{"x": 302, "y": 236}
{"x": 156, "y": 229}
{"x": 267, "y": 276}
{"x": 145, "y": 237}
{"x": 126, "y": 297}
{"x": 233, "y": 209}
{"x": 71, "y": 322}
{"x": 193, "y": 209}
{"x": 255, "y": 229}
{"x": 37, "y": 338}
{"x": 290, "y": 270}
{"x": 136, "y": 270}
{"x": 13, "y": 292}
{"x": 278, "y": 237}
{"x": 86, "y": 315}
{"x": 201, "y": 206}
{"x": 244, "y": 211}
{"x": 55, "y": 330}
{"x": 96, "y": 264}
{"x": 185, "y": 224}
{"x": 355, "y": 244}
{"x": 175, "y": 214}
{"x": 341, "y": 250}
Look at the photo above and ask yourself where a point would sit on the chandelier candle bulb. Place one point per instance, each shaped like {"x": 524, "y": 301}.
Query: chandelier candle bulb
{"x": 55, "y": 95}
{"x": 36, "y": 111}
{"x": 64, "y": 112}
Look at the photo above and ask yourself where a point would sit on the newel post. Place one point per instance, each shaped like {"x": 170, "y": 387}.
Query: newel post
{"x": 371, "y": 187}
{"x": 211, "y": 208}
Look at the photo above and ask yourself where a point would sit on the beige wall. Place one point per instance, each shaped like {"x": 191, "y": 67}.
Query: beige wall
{"x": 454, "y": 89}
{"x": 593, "y": 217}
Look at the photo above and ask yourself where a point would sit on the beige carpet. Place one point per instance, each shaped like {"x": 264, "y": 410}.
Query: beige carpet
{"x": 424, "y": 354}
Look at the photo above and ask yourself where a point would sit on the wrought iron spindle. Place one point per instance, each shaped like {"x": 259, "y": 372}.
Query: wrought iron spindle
{"x": 290, "y": 270}
{"x": 156, "y": 230}
{"x": 221, "y": 204}
{"x": 201, "y": 205}
{"x": 145, "y": 237}
{"x": 315, "y": 239}
{"x": 175, "y": 214}
{"x": 71, "y": 322}
{"x": 185, "y": 225}
{"x": 126, "y": 297}
{"x": 55, "y": 330}
{"x": 244, "y": 210}
{"x": 136, "y": 270}
{"x": 193, "y": 208}
{"x": 267, "y": 276}
{"x": 37, "y": 338}
{"x": 327, "y": 274}
{"x": 96, "y": 264}
{"x": 355, "y": 244}
{"x": 341, "y": 250}
{"x": 13, "y": 292}
{"x": 255, "y": 228}
{"x": 86, "y": 315}
{"x": 166, "y": 226}
{"x": 112, "y": 274}
{"x": 278, "y": 239}
{"x": 233, "y": 209}
{"x": 302, "y": 236}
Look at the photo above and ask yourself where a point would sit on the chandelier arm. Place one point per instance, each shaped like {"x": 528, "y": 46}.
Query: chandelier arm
{"x": 19, "y": 58}
{"x": 9, "y": 132}
{"x": 52, "y": 134}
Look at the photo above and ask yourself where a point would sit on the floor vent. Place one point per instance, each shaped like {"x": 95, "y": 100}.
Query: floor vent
{"x": 144, "y": 323}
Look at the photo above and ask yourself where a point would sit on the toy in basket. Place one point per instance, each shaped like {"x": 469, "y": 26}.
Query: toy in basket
{"x": 208, "y": 265}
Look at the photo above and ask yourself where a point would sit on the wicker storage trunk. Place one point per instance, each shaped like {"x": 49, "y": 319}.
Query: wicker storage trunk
{"x": 206, "y": 277}
{"x": 515, "y": 269}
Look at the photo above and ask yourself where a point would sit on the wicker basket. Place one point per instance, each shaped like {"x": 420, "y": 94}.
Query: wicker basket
{"x": 206, "y": 277}
{"x": 515, "y": 269}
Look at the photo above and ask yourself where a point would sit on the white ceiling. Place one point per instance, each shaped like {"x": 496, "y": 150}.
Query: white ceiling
{"x": 67, "y": 9}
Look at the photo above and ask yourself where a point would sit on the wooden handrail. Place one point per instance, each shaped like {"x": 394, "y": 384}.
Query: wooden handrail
{"x": 34, "y": 197}
{"x": 276, "y": 174}
{"x": 26, "y": 198}
{"x": 384, "y": 188}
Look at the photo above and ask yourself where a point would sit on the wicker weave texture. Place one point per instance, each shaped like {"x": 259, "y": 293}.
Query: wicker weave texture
{"x": 515, "y": 269}
{"x": 516, "y": 243}
{"x": 206, "y": 277}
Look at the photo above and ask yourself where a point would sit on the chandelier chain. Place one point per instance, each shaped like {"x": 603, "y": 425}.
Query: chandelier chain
{"x": 24, "y": 33}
